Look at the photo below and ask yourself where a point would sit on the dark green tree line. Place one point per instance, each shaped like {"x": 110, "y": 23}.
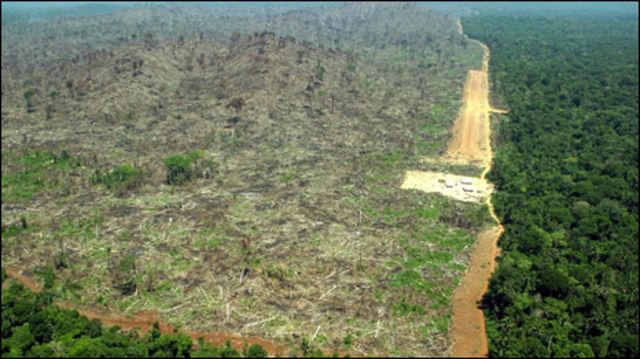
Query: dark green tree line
{"x": 32, "y": 326}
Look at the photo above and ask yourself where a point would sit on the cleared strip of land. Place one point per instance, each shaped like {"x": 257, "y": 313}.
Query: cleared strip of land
{"x": 471, "y": 130}
{"x": 471, "y": 145}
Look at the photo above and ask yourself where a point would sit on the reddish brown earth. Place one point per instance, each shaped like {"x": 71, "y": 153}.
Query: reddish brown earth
{"x": 468, "y": 328}
{"x": 25, "y": 280}
{"x": 472, "y": 142}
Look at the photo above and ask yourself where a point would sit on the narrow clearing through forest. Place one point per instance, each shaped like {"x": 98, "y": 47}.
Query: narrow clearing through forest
{"x": 471, "y": 144}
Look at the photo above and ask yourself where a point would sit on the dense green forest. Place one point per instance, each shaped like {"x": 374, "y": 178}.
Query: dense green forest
{"x": 566, "y": 171}
{"x": 32, "y": 326}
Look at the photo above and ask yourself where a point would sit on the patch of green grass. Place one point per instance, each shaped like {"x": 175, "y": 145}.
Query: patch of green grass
{"x": 248, "y": 303}
{"x": 127, "y": 264}
{"x": 21, "y": 187}
{"x": 390, "y": 214}
{"x": 438, "y": 113}
{"x": 211, "y": 243}
{"x": 79, "y": 228}
{"x": 288, "y": 177}
{"x": 418, "y": 257}
{"x": 210, "y": 238}
{"x": 98, "y": 254}
{"x": 19, "y": 227}
{"x": 430, "y": 248}
{"x": 404, "y": 309}
{"x": 383, "y": 167}
{"x": 34, "y": 174}
{"x": 378, "y": 294}
{"x": 231, "y": 141}
{"x": 428, "y": 213}
{"x": 441, "y": 323}
{"x": 469, "y": 59}
{"x": 46, "y": 275}
{"x": 433, "y": 129}
{"x": 119, "y": 179}
{"x": 276, "y": 323}
{"x": 279, "y": 272}
{"x": 243, "y": 209}
{"x": 412, "y": 279}
{"x": 369, "y": 211}
{"x": 388, "y": 159}
{"x": 180, "y": 264}
{"x": 441, "y": 300}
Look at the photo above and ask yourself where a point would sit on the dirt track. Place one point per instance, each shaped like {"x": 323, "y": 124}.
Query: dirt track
{"x": 468, "y": 331}
{"x": 472, "y": 142}
{"x": 471, "y": 130}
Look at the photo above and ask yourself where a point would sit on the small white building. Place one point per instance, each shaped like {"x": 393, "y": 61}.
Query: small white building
{"x": 467, "y": 188}
{"x": 466, "y": 181}
{"x": 449, "y": 183}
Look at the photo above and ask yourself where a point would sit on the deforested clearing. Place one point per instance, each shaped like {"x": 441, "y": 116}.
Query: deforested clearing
{"x": 241, "y": 174}
{"x": 319, "y": 179}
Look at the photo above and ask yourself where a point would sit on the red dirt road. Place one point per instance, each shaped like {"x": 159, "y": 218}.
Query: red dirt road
{"x": 468, "y": 327}
{"x": 472, "y": 142}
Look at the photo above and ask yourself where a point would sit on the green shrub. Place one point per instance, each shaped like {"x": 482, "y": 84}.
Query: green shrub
{"x": 47, "y": 275}
{"x": 180, "y": 168}
{"x": 320, "y": 71}
{"x": 348, "y": 341}
{"x": 120, "y": 179}
{"x": 256, "y": 351}
{"x": 28, "y": 96}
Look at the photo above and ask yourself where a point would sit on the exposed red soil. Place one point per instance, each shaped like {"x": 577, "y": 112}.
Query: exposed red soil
{"x": 468, "y": 327}
{"x": 471, "y": 130}
{"x": 472, "y": 142}
{"x": 23, "y": 279}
